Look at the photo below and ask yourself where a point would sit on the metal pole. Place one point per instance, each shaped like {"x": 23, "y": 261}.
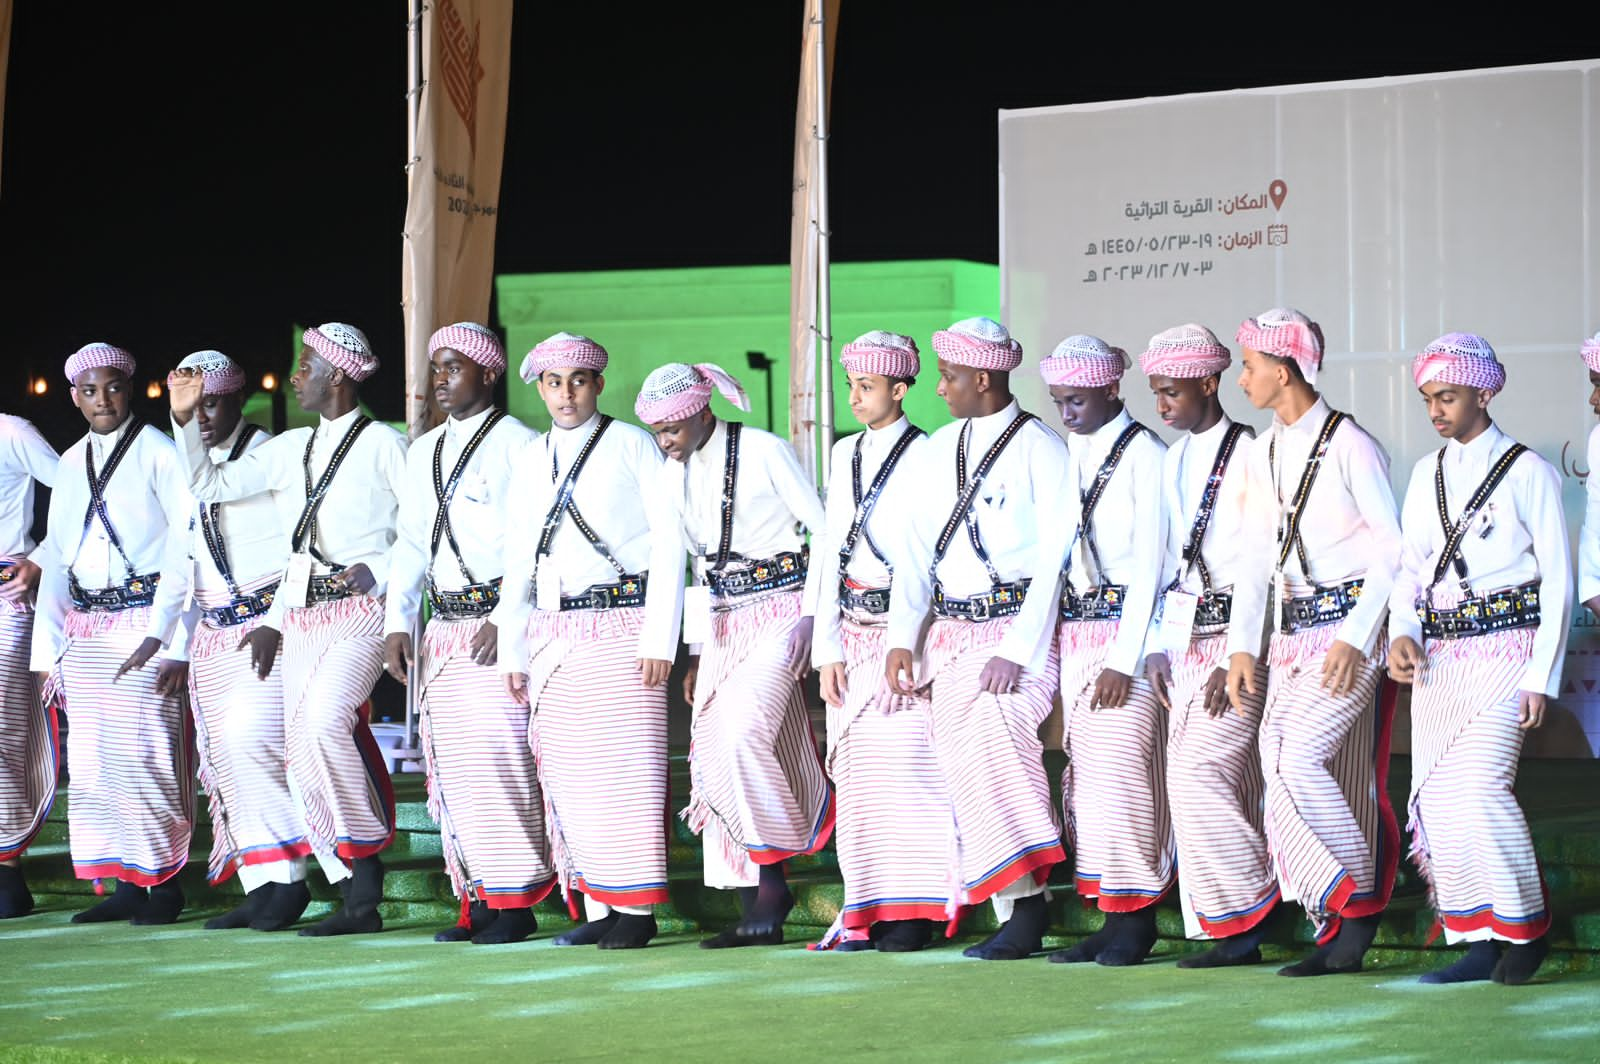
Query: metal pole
{"x": 824, "y": 324}
{"x": 413, "y": 118}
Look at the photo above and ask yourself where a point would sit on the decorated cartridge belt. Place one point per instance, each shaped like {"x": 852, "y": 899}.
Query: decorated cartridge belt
{"x": 786, "y": 570}
{"x": 327, "y": 587}
{"x": 1493, "y": 611}
{"x": 1103, "y": 603}
{"x": 241, "y": 609}
{"x": 1326, "y": 605}
{"x": 1002, "y": 600}
{"x": 626, "y": 593}
{"x": 474, "y": 600}
{"x": 863, "y": 599}
{"x": 8, "y": 570}
{"x": 132, "y": 593}
{"x": 1213, "y": 610}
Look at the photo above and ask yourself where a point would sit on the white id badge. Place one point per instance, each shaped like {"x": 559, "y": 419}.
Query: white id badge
{"x": 697, "y": 614}
{"x": 296, "y": 585}
{"x": 1177, "y": 620}
{"x": 547, "y": 588}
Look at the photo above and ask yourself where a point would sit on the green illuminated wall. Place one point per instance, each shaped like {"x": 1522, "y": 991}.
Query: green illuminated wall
{"x": 649, "y": 317}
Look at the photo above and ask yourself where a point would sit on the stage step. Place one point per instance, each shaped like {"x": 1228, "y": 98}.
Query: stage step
{"x": 1565, "y": 823}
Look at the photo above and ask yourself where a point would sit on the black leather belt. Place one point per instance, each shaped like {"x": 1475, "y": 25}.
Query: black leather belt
{"x": 327, "y": 588}
{"x": 1002, "y": 600}
{"x": 1494, "y": 611}
{"x": 470, "y": 602}
{"x": 240, "y": 609}
{"x": 1103, "y": 603}
{"x": 625, "y": 593}
{"x": 132, "y": 593}
{"x": 770, "y": 574}
{"x": 863, "y": 599}
{"x": 1327, "y": 605}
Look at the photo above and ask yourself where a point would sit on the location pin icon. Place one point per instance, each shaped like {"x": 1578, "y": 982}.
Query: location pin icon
{"x": 1278, "y": 191}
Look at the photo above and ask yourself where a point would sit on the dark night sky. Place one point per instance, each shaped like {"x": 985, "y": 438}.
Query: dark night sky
{"x": 185, "y": 175}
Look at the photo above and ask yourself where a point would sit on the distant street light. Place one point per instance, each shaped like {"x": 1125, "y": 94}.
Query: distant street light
{"x": 152, "y": 390}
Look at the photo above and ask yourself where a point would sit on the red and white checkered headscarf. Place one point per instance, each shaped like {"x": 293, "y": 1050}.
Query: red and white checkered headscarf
{"x": 1459, "y": 358}
{"x": 93, "y": 356}
{"x": 1083, "y": 362}
{"x": 1591, "y": 352}
{"x": 1185, "y": 352}
{"x": 564, "y": 350}
{"x": 222, "y": 375}
{"x": 345, "y": 347}
{"x": 477, "y": 342}
{"x": 677, "y": 391}
{"x": 884, "y": 353}
{"x": 1285, "y": 333}
{"x": 979, "y": 343}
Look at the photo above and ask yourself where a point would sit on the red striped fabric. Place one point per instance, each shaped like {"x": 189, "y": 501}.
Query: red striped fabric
{"x": 753, "y": 763}
{"x": 238, "y": 719}
{"x": 29, "y": 748}
{"x": 989, "y": 752}
{"x": 601, "y": 740}
{"x": 1114, "y": 787}
{"x": 482, "y": 789}
{"x": 1215, "y": 791}
{"x": 1469, "y": 838}
{"x": 130, "y": 800}
{"x": 332, "y": 657}
{"x": 896, "y": 827}
{"x": 1329, "y": 825}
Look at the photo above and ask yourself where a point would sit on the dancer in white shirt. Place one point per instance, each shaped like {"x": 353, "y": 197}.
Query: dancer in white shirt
{"x": 236, "y": 554}
{"x": 337, "y": 489}
{"x": 895, "y": 832}
{"x": 30, "y": 761}
{"x": 988, "y": 484}
{"x": 759, "y": 793}
{"x": 1323, "y": 543}
{"x": 1093, "y": 587}
{"x": 1589, "y": 536}
{"x": 1226, "y": 883}
{"x": 112, "y": 589}
{"x": 588, "y": 630}
{"x": 450, "y": 544}
{"x": 1478, "y": 626}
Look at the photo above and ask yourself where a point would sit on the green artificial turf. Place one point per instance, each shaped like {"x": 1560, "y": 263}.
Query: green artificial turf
{"x": 115, "y": 992}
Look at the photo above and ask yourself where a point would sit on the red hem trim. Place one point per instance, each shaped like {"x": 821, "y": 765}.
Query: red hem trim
{"x": 648, "y": 896}
{"x": 1089, "y": 891}
{"x": 1238, "y": 925}
{"x": 1388, "y": 825}
{"x": 526, "y": 899}
{"x": 117, "y": 870}
{"x": 770, "y": 857}
{"x": 1524, "y": 931}
{"x": 1039, "y": 863}
{"x": 379, "y": 771}
{"x": 860, "y": 919}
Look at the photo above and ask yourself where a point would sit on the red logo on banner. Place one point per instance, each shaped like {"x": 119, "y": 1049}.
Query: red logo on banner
{"x": 459, "y": 66}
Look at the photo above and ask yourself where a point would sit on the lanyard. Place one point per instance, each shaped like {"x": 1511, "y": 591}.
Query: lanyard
{"x": 1456, "y": 532}
{"x": 211, "y": 515}
{"x": 97, "y": 488}
{"x": 1208, "y": 501}
{"x": 967, "y": 490}
{"x": 1289, "y": 527}
{"x": 305, "y": 529}
{"x": 1091, "y": 499}
{"x": 564, "y": 504}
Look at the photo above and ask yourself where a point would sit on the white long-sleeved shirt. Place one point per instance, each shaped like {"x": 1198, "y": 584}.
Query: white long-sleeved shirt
{"x": 898, "y": 498}
{"x": 24, "y": 458}
{"x": 1589, "y": 534}
{"x": 622, "y": 493}
{"x": 1350, "y": 528}
{"x": 773, "y": 500}
{"x": 1184, "y": 473}
{"x": 1128, "y": 527}
{"x": 357, "y": 519}
{"x": 478, "y": 512}
{"x": 1517, "y": 537}
{"x": 149, "y": 506}
{"x": 1021, "y": 492}
{"x": 254, "y": 540}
